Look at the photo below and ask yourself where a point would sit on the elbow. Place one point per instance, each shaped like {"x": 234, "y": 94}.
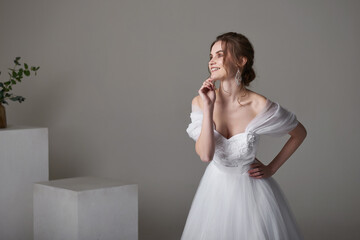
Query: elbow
{"x": 303, "y": 133}
{"x": 299, "y": 132}
{"x": 206, "y": 158}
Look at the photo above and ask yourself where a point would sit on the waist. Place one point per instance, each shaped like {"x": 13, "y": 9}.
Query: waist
{"x": 240, "y": 168}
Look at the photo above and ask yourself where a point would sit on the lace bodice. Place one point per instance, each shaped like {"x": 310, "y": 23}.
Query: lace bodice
{"x": 240, "y": 149}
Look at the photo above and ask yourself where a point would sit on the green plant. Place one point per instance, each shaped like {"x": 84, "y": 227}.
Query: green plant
{"x": 15, "y": 76}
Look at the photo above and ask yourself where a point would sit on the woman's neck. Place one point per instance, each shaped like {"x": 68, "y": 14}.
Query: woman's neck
{"x": 229, "y": 91}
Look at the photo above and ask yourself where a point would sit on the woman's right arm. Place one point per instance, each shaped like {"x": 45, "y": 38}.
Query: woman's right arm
{"x": 205, "y": 144}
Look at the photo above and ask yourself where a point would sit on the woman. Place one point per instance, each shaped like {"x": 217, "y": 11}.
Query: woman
{"x": 237, "y": 198}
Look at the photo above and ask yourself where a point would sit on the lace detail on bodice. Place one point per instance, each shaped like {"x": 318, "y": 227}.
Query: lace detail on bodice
{"x": 239, "y": 149}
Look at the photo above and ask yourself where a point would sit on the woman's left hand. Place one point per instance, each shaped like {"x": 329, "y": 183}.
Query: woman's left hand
{"x": 259, "y": 170}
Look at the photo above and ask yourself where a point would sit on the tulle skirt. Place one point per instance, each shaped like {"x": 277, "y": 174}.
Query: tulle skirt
{"x": 231, "y": 205}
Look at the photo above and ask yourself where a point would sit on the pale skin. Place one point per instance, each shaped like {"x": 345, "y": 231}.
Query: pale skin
{"x": 229, "y": 118}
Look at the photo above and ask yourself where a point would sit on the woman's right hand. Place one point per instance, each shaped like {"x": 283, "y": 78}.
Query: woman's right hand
{"x": 207, "y": 92}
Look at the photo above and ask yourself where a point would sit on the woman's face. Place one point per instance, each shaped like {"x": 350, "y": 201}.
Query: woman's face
{"x": 216, "y": 66}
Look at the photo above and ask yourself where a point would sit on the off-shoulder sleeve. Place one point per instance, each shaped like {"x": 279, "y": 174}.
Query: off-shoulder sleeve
{"x": 194, "y": 128}
{"x": 274, "y": 121}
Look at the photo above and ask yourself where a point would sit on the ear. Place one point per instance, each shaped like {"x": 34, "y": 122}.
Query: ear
{"x": 243, "y": 61}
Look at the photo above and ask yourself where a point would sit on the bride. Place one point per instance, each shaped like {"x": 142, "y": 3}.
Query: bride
{"x": 237, "y": 197}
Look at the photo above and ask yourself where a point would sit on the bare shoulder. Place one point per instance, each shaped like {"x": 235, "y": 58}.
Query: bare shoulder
{"x": 258, "y": 101}
{"x": 197, "y": 101}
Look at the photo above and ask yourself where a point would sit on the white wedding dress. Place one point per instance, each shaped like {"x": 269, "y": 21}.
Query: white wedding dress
{"x": 231, "y": 205}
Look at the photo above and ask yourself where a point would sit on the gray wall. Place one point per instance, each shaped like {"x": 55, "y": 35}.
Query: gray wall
{"x": 117, "y": 79}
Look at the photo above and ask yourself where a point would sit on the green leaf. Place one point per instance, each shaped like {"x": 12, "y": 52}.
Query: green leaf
{"x": 3, "y": 101}
{"x": 16, "y": 61}
{"x": 33, "y": 69}
{"x": 27, "y": 72}
{"x": 7, "y": 83}
{"x": 14, "y": 98}
{"x": 10, "y": 87}
{"x": 26, "y": 66}
{"x": 14, "y": 74}
{"x": 1, "y": 84}
{"x": 13, "y": 81}
{"x": 18, "y": 98}
{"x": 37, "y": 68}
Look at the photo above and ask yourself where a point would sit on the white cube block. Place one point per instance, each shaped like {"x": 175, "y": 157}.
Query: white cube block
{"x": 85, "y": 208}
{"x": 24, "y": 160}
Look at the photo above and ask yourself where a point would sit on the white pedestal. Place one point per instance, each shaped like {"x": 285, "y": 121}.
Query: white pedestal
{"x": 85, "y": 208}
{"x": 23, "y": 160}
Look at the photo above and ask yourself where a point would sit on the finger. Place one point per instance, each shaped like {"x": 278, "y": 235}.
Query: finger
{"x": 255, "y": 170}
{"x": 252, "y": 170}
{"x": 203, "y": 86}
{"x": 257, "y": 174}
{"x": 209, "y": 80}
{"x": 208, "y": 85}
{"x": 203, "y": 89}
{"x": 254, "y": 165}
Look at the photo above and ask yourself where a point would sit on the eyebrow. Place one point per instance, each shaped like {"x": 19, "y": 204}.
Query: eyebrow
{"x": 217, "y": 52}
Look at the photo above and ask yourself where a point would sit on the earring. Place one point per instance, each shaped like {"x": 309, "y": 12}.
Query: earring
{"x": 238, "y": 77}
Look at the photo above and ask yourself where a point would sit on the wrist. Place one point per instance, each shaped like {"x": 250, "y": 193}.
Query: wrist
{"x": 208, "y": 109}
{"x": 272, "y": 168}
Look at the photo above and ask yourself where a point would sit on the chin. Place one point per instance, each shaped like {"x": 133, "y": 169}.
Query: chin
{"x": 216, "y": 77}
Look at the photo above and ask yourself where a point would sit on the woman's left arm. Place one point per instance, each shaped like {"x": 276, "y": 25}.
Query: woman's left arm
{"x": 298, "y": 134}
{"x": 259, "y": 170}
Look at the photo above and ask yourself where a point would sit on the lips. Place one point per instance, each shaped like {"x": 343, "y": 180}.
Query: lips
{"x": 213, "y": 69}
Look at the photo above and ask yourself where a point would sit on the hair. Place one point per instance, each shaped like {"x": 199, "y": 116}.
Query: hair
{"x": 236, "y": 46}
